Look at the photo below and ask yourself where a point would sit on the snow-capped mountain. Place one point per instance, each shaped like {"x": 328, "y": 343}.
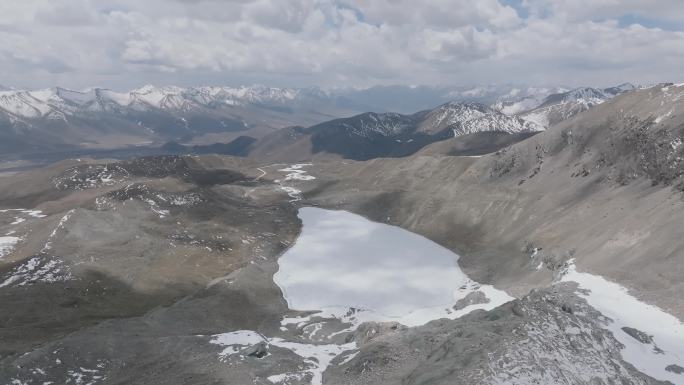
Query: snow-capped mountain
{"x": 458, "y": 118}
{"x": 585, "y": 95}
{"x": 563, "y": 105}
{"x": 523, "y": 99}
{"x": 41, "y": 103}
{"x": 59, "y": 118}
{"x": 517, "y": 111}
{"x": 56, "y": 119}
{"x": 370, "y": 135}
{"x": 62, "y": 102}
{"x": 468, "y": 117}
{"x": 624, "y": 87}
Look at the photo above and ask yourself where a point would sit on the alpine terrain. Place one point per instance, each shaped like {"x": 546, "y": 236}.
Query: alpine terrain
{"x": 386, "y": 192}
{"x": 223, "y": 269}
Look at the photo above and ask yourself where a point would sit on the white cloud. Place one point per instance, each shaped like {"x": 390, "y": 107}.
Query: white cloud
{"x": 446, "y": 14}
{"x": 122, "y": 43}
{"x": 600, "y": 9}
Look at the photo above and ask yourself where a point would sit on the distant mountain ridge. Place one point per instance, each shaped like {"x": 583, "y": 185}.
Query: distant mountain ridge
{"x": 561, "y": 106}
{"x": 57, "y": 119}
{"x": 32, "y": 104}
{"x": 371, "y": 135}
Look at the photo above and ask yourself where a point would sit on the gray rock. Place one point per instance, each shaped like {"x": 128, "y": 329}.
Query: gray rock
{"x": 498, "y": 346}
{"x": 259, "y": 350}
{"x": 638, "y": 335}
{"x": 474, "y": 298}
{"x": 369, "y": 331}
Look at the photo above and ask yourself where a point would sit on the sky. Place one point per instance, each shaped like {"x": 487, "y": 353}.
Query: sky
{"x": 121, "y": 44}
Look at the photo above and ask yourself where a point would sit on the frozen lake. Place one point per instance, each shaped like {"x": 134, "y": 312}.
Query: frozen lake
{"x": 342, "y": 261}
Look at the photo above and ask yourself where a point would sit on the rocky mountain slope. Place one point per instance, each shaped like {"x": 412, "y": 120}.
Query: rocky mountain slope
{"x": 589, "y": 178}
{"x": 531, "y": 340}
{"x": 576, "y": 194}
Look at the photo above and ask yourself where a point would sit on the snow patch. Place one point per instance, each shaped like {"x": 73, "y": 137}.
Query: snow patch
{"x": 37, "y": 269}
{"x": 316, "y": 356}
{"x": 664, "y": 332}
{"x": 661, "y": 117}
{"x": 60, "y": 225}
{"x": 7, "y": 245}
{"x": 236, "y": 341}
{"x": 18, "y": 220}
{"x": 286, "y": 378}
{"x": 295, "y": 172}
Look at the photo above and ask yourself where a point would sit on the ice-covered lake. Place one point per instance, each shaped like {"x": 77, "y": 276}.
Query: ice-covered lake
{"x": 342, "y": 261}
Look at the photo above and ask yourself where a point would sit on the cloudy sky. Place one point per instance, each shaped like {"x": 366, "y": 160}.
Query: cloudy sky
{"x": 337, "y": 43}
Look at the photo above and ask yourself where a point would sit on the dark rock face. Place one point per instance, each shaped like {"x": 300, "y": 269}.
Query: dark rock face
{"x": 338, "y": 140}
{"x": 638, "y": 335}
{"x": 237, "y": 147}
{"x": 656, "y": 150}
{"x": 675, "y": 369}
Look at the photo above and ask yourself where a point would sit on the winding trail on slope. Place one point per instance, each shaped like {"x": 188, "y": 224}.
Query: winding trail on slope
{"x": 263, "y": 173}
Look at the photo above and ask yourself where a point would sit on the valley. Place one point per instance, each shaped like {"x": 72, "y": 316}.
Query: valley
{"x": 508, "y": 258}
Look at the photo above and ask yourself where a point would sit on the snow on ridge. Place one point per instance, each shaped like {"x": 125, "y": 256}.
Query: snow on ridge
{"x": 468, "y": 117}
{"x": 455, "y": 112}
{"x": 653, "y": 339}
{"x": 37, "y": 269}
{"x": 317, "y": 357}
{"x": 43, "y": 102}
{"x": 561, "y": 106}
{"x": 546, "y": 106}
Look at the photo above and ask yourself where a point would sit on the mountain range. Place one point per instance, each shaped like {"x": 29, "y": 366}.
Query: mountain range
{"x": 372, "y": 135}
{"x": 58, "y": 120}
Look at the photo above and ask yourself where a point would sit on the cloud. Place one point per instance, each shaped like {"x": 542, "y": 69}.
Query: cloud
{"x": 123, "y": 43}
{"x": 76, "y": 12}
{"x": 578, "y": 10}
{"x": 442, "y": 14}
